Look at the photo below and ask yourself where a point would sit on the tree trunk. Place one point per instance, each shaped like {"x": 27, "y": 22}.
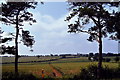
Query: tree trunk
{"x": 100, "y": 52}
{"x": 16, "y": 54}
{"x": 16, "y": 45}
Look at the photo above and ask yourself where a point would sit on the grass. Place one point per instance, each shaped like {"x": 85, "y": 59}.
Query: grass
{"x": 69, "y": 69}
{"x": 74, "y": 68}
{"x": 68, "y": 66}
{"x": 26, "y": 59}
{"x": 67, "y": 60}
{"x": 35, "y": 69}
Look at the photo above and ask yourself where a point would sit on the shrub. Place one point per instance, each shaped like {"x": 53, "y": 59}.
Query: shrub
{"x": 90, "y": 73}
{"x": 116, "y": 59}
{"x": 106, "y": 59}
{"x": 86, "y": 73}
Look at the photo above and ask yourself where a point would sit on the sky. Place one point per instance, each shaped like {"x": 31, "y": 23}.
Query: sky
{"x": 51, "y": 36}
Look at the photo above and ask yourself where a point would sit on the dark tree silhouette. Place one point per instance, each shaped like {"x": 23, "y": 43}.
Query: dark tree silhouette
{"x": 90, "y": 56}
{"x": 15, "y": 13}
{"x": 102, "y": 15}
{"x": 116, "y": 59}
{"x": 38, "y": 56}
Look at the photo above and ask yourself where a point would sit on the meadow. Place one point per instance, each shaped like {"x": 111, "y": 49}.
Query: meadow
{"x": 66, "y": 66}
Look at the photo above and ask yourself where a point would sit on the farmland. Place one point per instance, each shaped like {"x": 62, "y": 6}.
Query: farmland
{"x": 66, "y": 66}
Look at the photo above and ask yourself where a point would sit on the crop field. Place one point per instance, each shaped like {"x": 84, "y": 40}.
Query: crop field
{"x": 66, "y": 66}
{"x": 26, "y": 59}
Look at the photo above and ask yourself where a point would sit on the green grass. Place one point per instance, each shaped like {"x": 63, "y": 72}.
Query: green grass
{"x": 68, "y": 66}
{"x": 67, "y": 60}
{"x": 26, "y": 59}
{"x": 64, "y": 60}
{"x": 35, "y": 69}
{"x": 71, "y": 68}
{"x": 74, "y": 68}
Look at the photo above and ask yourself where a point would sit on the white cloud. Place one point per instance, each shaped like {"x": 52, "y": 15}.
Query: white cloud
{"x": 51, "y": 37}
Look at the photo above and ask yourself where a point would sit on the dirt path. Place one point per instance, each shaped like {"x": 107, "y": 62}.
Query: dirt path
{"x": 56, "y": 73}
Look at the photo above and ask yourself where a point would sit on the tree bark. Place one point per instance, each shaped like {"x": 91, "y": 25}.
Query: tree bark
{"x": 16, "y": 45}
{"x": 16, "y": 54}
{"x": 100, "y": 51}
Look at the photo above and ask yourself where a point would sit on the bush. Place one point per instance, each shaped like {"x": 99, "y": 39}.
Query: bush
{"x": 90, "y": 73}
{"x": 106, "y": 59}
{"x": 116, "y": 59}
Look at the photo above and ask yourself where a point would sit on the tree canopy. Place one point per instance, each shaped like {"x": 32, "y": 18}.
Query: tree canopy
{"x": 16, "y": 13}
{"x": 101, "y": 20}
{"x": 12, "y": 10}
{"x": 103, "y": 13}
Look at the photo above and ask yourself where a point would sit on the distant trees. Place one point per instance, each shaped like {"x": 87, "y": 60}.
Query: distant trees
{"x": 116, "y": 59}
{"x": 16, "y": 13}
{"x": 5, "y": 49}
{"x": 106, "y": 59}
{"x": 51, "y": 55}
{"x": 90, "y": 56}
{"x": 38, "y": 56}
{"x": 63, "y": 56}
{"x": 104, "y": 22}
{"x": 94, "y": 57}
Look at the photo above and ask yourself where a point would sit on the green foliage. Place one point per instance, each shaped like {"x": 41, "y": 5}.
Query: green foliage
{"x": 97, "y": 14}
{"x": 7, "y": 49}
{"x": 12, "y": 9}
{"x": 16, "y": 13}
{"x": 6, "y": 39}
{"x": 27, "y": 39}
{"x": 116, "y": 59}
{"x": 106, "y": 59}
{"x": 90, "y": 73}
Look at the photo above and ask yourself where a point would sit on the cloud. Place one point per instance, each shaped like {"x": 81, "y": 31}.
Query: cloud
{"x": 51, "y": 37}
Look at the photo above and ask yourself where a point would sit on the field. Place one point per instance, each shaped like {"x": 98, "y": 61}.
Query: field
{"x": 64, "y": 66}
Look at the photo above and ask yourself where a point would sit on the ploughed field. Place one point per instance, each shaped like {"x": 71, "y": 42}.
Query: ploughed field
{"x": 52, "y": 66}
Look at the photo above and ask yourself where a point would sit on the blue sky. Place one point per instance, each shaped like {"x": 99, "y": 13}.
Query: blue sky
{"x": 51, "y": 35}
